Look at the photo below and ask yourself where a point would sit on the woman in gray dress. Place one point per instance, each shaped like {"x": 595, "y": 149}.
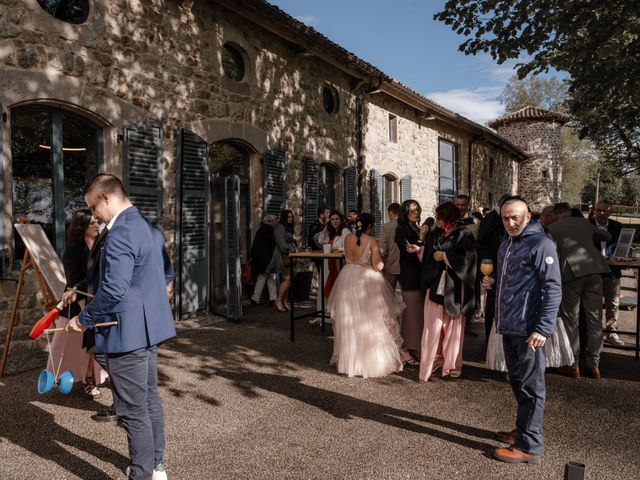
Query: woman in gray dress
{"x": 285, "y": 244}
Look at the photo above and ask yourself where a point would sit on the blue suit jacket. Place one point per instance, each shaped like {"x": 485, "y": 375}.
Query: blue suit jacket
{"x": 134, "y": 272}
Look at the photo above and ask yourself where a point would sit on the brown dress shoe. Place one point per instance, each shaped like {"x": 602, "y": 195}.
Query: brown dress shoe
{"x": 507, "y": 437}
{"x": 513, "y": 455}
{"x": 568, "y": 372}
{"x": 592, "y": 373}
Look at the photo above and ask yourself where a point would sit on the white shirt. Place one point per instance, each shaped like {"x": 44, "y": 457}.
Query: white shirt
{"x": 113, "y": 219}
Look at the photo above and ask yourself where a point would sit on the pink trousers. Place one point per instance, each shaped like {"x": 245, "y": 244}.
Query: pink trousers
{"x": 443, "y": 336}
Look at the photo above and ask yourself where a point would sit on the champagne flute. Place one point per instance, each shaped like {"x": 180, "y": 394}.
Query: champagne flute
{"x": 486, "y": 267}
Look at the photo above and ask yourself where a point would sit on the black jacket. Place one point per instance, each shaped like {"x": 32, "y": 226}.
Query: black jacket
{"x": 409, "y": 263}
{"x": 262, "y": 249}
{"x": 459, "y": 247}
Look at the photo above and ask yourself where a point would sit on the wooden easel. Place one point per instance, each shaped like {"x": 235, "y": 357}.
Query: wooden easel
{"x": 48, "y": 297}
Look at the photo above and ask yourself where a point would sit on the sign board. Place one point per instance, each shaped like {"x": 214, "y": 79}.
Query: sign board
{"x": 624, "y": 243}
{"x": 44, "y": 256}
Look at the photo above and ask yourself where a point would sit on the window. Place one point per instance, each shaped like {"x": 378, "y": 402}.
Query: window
{"x": 447, "y": 162}
{"x": 391, "y": 194}
{"x": 70, "y": 11}
{"x": 232, "y": 63}
{"x": 327, "y": 187}
{"x": 330, "y": 100}
{"x": 491, "y": 166}
{"x": 393, "y": 128}
{"x": 54, "y": 153}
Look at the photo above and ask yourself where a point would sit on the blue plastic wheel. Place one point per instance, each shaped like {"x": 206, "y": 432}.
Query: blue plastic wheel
{"x": 45, "y": 381}
{"x": 65, "y": 382}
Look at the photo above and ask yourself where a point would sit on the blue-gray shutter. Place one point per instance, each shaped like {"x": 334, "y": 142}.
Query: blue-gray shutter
{"x": 350, "y": 189}
{"x": 143, "y": 168}
{"x": 311, "y": 193}
{"x": 274, "y": 182}
{"x": 232, "y": 242}
{"x": 405, "y": 188}
{"x": 377, "y": 200}
{"x": 192, "y": 212}
{"x": 2, "y": 187}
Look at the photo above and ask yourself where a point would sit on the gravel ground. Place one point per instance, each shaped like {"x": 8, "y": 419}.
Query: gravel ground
{"x": 242, "y": 402}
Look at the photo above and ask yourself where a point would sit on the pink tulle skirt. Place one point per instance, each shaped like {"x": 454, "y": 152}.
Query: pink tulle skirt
{"x": 365, "y": 323}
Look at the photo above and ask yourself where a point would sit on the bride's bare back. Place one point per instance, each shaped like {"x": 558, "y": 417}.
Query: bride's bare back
{"x": 354, "y": 252}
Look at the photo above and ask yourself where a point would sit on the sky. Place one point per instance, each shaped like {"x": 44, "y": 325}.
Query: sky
{"x": 401, "y": 38}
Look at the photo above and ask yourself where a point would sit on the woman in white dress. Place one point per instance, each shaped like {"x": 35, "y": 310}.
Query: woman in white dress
{"x": 557, "y": 349}
{"x": 364, "y": 311}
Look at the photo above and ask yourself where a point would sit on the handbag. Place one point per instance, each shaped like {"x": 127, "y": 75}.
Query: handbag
{"x": 246, "y": 275}
{"x": 441, "y": 282}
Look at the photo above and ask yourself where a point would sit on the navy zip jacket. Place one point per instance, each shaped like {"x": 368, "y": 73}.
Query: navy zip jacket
{"x": 529, "y": 287}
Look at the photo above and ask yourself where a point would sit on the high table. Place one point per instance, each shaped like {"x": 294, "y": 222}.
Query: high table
{"x": 314, "y": 256}
{"x": 632, "y": 263}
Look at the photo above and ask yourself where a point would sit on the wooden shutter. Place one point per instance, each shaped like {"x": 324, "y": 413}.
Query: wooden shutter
{"x": 3, "y": 241}
{"x": 192, "y": 211}
{"x": 377, "y": 200}
{"x": 232, "y": 242}
{"x": 311, "y": 193}
{"x": 350, "y": 189}
{"x": 143, "y": 168}
{"x": 274, "y": 182}
{"x": 405, "y": 188}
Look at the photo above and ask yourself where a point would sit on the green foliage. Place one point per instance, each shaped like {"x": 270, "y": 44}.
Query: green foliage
{"x": 596, "y": 42}
{"x": 536, "y": 91}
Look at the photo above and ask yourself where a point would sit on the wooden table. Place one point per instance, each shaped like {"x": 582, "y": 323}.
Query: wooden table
{"x": 312, "y": 256}
{"x": 631, "y": 263}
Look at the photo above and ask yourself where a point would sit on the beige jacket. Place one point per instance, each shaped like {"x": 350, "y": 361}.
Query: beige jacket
{"x": 389, "y": 248}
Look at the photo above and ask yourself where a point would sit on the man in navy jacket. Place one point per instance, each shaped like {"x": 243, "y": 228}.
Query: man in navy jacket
{"x": 528, "y": 295}
{"x": 134, "y": 272}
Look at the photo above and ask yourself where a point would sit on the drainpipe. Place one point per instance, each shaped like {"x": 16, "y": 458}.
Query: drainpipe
{"x": 470, "y": 149}
{"x": 360, "y": 107}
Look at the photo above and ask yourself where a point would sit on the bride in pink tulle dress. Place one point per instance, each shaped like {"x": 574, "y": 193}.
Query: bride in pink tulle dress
{"x": 364, "y": 311}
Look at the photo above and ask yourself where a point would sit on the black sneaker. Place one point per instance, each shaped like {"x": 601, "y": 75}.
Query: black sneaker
{"x": 108, "y": 415}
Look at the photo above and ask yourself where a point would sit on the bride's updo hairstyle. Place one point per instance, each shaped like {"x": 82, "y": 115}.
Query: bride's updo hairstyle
{"x": 362, "y": 224}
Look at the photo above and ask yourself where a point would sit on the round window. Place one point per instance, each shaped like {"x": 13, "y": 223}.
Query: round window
{"x": 330, "y": 100}
{"x": 70, "y": 11}
{"x": 232, "y": 63}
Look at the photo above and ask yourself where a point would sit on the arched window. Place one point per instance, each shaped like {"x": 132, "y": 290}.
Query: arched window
{"x": 330, "y": 99}
{"x": 232, "y": 63}
{"x": 70, "y": 11}
{"x": 391, "y": 193}
{"x": 54, "y": 153}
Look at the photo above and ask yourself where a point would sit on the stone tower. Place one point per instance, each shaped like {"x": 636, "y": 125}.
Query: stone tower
{"x": 537, "y": 132}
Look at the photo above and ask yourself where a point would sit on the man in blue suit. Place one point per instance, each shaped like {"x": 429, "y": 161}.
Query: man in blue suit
{"x": 134, "y": 272}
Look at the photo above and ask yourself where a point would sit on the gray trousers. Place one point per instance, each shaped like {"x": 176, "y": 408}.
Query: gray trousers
{"x": 134, "y": 379}
{"x": 611, "y": 294}
{"x": 586, "y": 293}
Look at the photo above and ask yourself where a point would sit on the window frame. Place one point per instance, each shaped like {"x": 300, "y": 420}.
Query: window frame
{"x": 393, "y": 128}
{"x": 57, "y": 165}
{"x": 454, "y": 164}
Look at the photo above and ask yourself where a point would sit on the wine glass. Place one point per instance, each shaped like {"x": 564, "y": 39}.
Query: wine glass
{"x": 486, "y": 267}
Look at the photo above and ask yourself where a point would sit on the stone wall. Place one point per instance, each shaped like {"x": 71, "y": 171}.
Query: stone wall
{"x": 540, "y": 175}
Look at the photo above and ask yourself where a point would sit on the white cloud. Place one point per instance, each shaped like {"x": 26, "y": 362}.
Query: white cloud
{"x": 309, "y": 20}
{"x": 479, "y": 104}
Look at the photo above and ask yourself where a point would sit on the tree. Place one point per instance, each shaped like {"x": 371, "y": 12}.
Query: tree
{"x": 597, "y": 43}
{"x": 548, "y": 93}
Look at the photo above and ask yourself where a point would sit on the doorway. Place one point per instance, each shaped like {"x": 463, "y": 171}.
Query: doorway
{"x": 230, "y": 225}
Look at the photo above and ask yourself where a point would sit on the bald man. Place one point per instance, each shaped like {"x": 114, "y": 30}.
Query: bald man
{"x": 528, "y": 294}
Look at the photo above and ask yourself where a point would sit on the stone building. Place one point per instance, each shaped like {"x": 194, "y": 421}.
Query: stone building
{"x": 215, "y": 113}
{"x": 538, "y": 133}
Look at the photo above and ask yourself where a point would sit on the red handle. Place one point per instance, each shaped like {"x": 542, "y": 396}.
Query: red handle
{"x": 44, "y": 323}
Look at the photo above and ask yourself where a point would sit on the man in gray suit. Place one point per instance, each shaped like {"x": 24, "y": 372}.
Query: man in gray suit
{"x": 388, "y": 246}
{"x": 582, "y": 267}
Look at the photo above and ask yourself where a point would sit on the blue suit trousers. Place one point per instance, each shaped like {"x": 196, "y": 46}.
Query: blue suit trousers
{"x": 134, "y": 378}
{"x": 526, "y": 373}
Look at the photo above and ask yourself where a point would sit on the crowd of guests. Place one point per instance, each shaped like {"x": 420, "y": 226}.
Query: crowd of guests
{"x": 435, "y": 265}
